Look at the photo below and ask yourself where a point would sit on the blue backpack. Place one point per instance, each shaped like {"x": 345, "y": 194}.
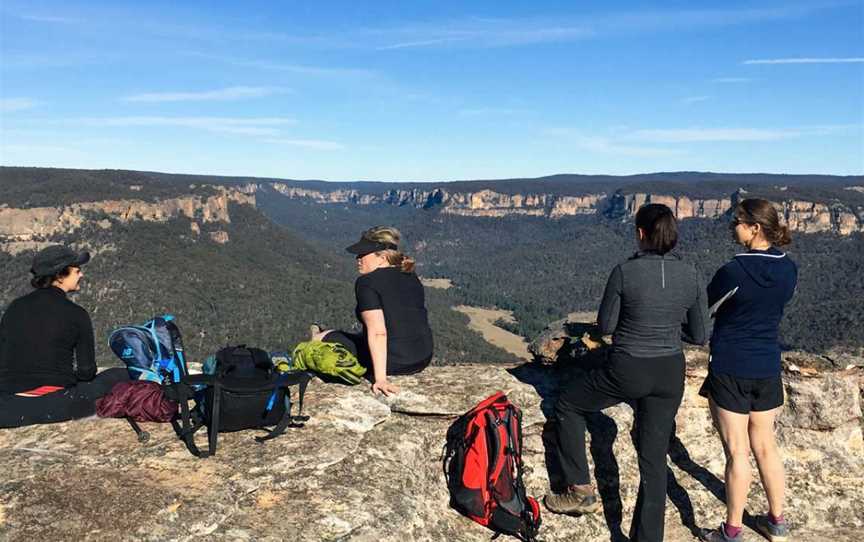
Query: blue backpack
{"x": 152, "y": 351}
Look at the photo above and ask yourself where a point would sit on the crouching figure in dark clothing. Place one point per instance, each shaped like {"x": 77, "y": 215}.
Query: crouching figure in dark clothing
{"x": 649, "y": 301}
{"x": 47, "y": 352}
{"x": 391, "y": 305}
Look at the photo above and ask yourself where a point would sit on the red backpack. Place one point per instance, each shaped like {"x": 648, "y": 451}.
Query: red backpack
{"x": 483, "y": 468}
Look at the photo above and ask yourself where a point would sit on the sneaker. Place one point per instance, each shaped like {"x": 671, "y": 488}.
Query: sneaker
{"x": 719, "y": 535}
{"x": 775, "y": 532}
{"x": 576, "y": 500}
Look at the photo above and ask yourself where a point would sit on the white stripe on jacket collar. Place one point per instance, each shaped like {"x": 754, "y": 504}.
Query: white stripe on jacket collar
{"x": 781, "y": 255}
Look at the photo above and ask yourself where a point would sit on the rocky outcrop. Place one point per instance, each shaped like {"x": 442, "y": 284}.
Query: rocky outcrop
{"x": 32, "y": 228}
{"x": 368, "y": 469}
{"x": 800, "y": 215}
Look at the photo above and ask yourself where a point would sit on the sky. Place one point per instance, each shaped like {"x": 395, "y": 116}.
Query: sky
{"x": 433, "y": 90}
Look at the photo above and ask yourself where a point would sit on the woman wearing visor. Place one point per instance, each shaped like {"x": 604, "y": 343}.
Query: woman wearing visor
{"x": 396, "y": 338}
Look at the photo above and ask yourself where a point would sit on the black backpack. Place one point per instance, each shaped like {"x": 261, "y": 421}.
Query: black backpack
{"x": 244, "y": 392}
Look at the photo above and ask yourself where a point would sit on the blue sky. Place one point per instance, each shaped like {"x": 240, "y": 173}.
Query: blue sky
{"x": 432, "y": 90}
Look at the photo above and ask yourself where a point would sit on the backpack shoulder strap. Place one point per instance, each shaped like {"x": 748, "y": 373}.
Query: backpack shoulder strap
{"x": 300, "y": 379}
{"x": 189, "y": 421}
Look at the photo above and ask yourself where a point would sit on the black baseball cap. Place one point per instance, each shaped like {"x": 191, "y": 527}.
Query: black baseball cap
{"x": 51, "y": 260}
{"x": 365, "y": 246}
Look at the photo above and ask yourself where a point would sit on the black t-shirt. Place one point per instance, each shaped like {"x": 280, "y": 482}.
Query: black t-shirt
{"x": 401, "y": 297}
{"x": 45, "y": 340}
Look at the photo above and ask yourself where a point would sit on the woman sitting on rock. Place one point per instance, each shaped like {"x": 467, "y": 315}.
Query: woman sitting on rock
{"x": 647, "y": 298}
{"x": 396, "y": 338}
{"x": 47, "y": 352}
{"x": 743, "y": 386}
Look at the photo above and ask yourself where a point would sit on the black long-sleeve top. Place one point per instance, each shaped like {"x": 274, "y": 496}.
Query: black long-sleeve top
{"x": 650, "y": 300}
{"x": 45, "y": 340}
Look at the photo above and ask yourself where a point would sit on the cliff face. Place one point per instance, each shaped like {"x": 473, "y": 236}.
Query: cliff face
{"x": 366, "y": 469}
{"x": 28, "y": 229}
{"x": 801, "y": 216}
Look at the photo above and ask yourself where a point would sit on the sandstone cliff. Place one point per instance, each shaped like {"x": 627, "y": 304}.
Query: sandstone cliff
{"x": 801, "y": 216}
{"x": 366, "y": 469}
{"x": 33, "y": 228}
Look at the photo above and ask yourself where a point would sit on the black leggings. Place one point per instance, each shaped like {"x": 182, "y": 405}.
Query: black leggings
{"x": 656, "y": 385}
{"x": 78, "y": 401}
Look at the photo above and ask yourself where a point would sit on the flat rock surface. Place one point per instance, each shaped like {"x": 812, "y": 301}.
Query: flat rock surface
{"x": 369, "y": 469}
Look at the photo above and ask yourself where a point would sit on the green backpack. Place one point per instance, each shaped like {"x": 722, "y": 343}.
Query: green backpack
{"x": 328, "y": 359}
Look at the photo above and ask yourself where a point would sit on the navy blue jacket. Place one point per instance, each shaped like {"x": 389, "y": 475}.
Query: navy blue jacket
{"x": 745, "y": 339}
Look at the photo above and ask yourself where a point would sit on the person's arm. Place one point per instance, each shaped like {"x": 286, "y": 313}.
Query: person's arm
{"x": 85, "y": 349}
{"x": 371, "y": 310}
{"x": 695, "y": 330}
{"x": 720, "y": 285}
{"x": 376, "y": 335}
{"x": 610, "y": 307}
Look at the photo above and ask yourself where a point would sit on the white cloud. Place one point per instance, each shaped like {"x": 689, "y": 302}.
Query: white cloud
{"x": 695, "y": 99}
{"x": 314, "y": 144}
{"x": 488, "y": 32}
{"x": 255, "y": 126}
{"x": 606, "y": 145}
{"x": 490, "y": 112}
{"x": 225, "y": 94}
{"x": 50, "y": 19}
{"x": 732, "y": 80}
{"x": 10, "y": 105}
{"x": 269, "y": 65}
{"x": 852, "y": 60}
{"x": 699, "y": 135}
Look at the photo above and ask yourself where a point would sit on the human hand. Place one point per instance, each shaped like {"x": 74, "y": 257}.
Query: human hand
{"x": 385, "y": 388}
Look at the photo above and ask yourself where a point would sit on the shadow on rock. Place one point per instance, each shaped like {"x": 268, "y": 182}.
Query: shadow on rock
{"x": 547, "y": 380}
{"x": 678, "y": 495}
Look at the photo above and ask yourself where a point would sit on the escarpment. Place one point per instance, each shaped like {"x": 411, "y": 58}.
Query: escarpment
{"x": 802, "y": 216}
{"x": 24, "y": 229}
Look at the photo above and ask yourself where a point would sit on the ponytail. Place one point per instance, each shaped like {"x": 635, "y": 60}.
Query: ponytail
{"x": 763, "y": 212}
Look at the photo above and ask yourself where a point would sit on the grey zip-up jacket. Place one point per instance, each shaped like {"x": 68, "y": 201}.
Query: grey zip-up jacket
{"x": 650, "y": 301}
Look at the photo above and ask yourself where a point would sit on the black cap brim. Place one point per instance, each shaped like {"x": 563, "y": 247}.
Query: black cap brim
{"x": 82, "y": 259}
{"x": 364, "y": 247}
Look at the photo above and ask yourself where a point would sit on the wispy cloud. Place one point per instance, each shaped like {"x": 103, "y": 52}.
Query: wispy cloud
{"x": 275, "y": 66}
{"x": 486, "y": 32}
{"x": 254, "y": 126}
{"x": 851, "y": 60}
{"x": 10, "y": 105}
{"x": 313, "y": 144}
{"x": 699, "y": 135}
{"x": 491, "y": 112}
{"x": 607, "y": 145}
{"x": 225, "y": 94}
{"x": 731, "y": 80}
{"x": 49, "y": 19}
{"x": 695, "y": 99}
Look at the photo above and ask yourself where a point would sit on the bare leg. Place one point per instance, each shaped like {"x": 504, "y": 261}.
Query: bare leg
{"x": 736, "y": 445}
{"x": 320, "y": 335}
{"x": 764, "y": 447}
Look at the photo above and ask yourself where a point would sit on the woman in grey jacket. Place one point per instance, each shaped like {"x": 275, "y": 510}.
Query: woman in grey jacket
{"x": 647, "y": 299}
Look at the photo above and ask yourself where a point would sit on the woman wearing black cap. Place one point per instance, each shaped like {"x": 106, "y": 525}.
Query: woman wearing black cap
{"x": 47, "y": 351}
{"x": 396, "y": 338}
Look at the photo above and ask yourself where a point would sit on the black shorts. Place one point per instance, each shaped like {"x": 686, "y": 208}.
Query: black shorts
{"x": 743, "y": 395}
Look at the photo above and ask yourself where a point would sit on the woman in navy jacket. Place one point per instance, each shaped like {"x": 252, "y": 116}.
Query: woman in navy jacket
{"x": 743, "y": 386}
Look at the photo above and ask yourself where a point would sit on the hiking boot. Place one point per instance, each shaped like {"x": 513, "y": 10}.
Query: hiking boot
{"x": 576, "y": 500}
{"x": 775, "y": 532}
{"x": 719, "y": 535}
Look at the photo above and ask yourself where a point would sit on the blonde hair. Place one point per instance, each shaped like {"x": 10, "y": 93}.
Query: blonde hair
{"x": 390, "y": 236}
